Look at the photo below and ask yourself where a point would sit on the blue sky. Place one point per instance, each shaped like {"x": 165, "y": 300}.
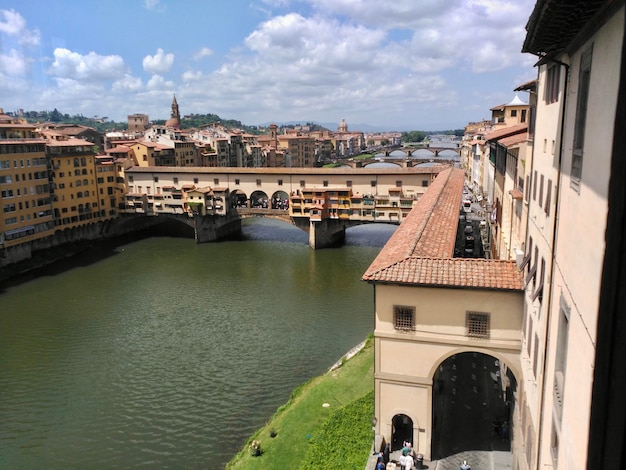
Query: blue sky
{"x": 397, "y": 65}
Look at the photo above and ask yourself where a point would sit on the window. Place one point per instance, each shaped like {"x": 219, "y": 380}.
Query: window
{"x": 130, "y": 178}
{"x": 349, "y": 183}
{"x": 553, "y": 77}
{"x": 561, "y": 356}
{"x": 216, "y": 181}
{"x": 541, "y": 190}
{"x": 535, "y": 186}
{"x": 477, "y": 324}
{"x": 373, "y": 183}
{"x": 404, "y": 318}
{"x": 302, "y": 183}
{"x": 538, "y": 293}
{"x": 156, "y": 179}
{"x": 325, "y": 183}
{"x": 523, "y": 118}
{"x": 175, "y": 180}
{"x": 280, "y": 182}
{"x": 236, "y": 180}
{"x": 548, "y": 197}
{"x": 581, "y": 117}
{"x": 195, "y": 181}
{"x": 514, "y": 113}
{"x": 258, "y": 182}
{"x": 424, "y": 183}
{"x": 398, "y": 183}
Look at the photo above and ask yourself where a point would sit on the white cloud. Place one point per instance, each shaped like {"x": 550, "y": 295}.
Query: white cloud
{"x": 203, "y": 52}
{"x": 72, "y": 65}
{"x": 159, "y": 62}
{"x": 13, "y": 64}
{"x": 14, "y": 25}
{"x": 157, "y": 82}
{"x": 127, "y": 84}
{"x": 190, "y": 76}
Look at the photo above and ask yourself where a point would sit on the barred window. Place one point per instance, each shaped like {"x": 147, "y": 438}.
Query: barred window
{"x": 404, "y": 318}
{"x": 477, "y": 324}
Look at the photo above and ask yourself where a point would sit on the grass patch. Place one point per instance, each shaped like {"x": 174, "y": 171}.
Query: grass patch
{"x": 364, "y": 156}
{"x": 303, "y": 425}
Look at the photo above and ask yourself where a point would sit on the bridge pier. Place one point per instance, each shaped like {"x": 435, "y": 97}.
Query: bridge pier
{"x": 210, "y": 228}
{"x": 326, "y": 233}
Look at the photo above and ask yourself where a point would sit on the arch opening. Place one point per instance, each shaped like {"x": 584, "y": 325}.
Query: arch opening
{"x": 238, "y": 199}
{"x": 280, "y": 200}
{"x": 259, "y": 200}
{"x": 401, "y": 431}
{"x": 472, "y": 405}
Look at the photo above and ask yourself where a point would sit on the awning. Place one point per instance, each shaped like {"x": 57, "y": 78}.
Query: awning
{"x": 516, "y": 194}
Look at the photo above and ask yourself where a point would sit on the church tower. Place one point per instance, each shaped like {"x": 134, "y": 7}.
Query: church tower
{"x": 174, "y": 120}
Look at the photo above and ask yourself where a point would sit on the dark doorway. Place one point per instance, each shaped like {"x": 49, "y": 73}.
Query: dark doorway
{"x": 473, "y": 397}
{"x": 401, "y": 431}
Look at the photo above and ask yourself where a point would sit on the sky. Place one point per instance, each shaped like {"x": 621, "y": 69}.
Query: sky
{"x": 394, "y": 65}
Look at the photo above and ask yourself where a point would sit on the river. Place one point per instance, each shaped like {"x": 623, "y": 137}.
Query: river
{"x": 164, "y": 353}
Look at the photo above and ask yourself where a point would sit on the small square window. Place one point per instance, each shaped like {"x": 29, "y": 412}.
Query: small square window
{"x": 236, "y": 180}
{"x": 175, "y": 180}
{"x": 349, "y": 183}
{"x": 258, "y": 182}
{"x": 404, "y": 318}
{"x": 373, "y": 183}
{"x": 325, "y": 183}
{"x": 280, "y": 182}
{"x": 302, "y": 183}
{"x": 477, "y": 324}
{"x": 156, "y": 179}
{"x": 195, "y": 181}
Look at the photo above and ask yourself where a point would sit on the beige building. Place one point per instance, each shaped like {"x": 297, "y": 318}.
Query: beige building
{"x": 431, "y": 306}
{"x": 579, "y": 88}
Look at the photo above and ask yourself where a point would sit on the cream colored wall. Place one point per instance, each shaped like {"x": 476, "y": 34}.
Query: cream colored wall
{"x": 580, "y": 244}
{"x": 406, "y": 362}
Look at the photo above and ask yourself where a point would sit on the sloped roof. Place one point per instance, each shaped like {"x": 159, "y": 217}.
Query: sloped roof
{"x": 421, "y": 251}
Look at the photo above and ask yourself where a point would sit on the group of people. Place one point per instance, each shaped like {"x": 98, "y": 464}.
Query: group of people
{"x": 407, "y": 461}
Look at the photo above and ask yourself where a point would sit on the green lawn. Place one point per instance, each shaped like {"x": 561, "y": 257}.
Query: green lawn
{"x": 309, "y": 435}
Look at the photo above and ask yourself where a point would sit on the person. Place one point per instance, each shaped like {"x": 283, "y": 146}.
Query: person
{"x": 465, "y": 465}
{"x": 406, "y": 460}
{"x": 386, "y": 453}
{"x": 380, "y": 465}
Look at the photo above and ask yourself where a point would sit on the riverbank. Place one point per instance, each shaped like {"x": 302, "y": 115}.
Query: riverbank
{"x": 310, "y": 430}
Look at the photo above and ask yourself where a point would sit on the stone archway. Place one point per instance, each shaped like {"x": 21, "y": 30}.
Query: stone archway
{"x": 280, "y": 200}
{"x": 238, "y": 199}
{"x": 472, "y": 405}
{"x": 259, "y": 200}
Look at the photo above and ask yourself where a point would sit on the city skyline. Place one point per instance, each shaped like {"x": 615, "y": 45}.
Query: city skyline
{"x": 400, "y": 66}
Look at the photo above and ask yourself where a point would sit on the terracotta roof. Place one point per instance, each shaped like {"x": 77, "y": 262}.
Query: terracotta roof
{"x": 507, "y": 131}
{"x": 513, "y": 140}
{"x": 421, "y": 250}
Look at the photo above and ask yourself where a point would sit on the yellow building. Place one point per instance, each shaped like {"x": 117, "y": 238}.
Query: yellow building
{"x": 75, "y": 200}
{"x": 24, "y": 188}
